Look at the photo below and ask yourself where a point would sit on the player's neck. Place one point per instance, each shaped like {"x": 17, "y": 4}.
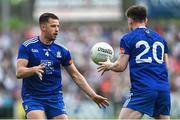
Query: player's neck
{"x": 45, "y": 40}
{"x": 139, "y": 25}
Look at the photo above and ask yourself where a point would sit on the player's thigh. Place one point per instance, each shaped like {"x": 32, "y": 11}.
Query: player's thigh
{"x": 33, "y": 107}
{"x": 127, "y": 113}
{"x": 55, "y": 107}
{"x": 61, "y": 117}
{"x": 162, "y": 105}
{"x": 36, "y": 114}
{"x": 142, "y": 101}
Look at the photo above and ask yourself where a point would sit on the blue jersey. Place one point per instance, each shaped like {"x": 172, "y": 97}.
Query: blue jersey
{"x": 53, "y": 56}
{"x": 146, "y": 49}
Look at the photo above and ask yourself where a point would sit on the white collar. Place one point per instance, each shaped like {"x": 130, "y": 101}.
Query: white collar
{"x": 141, "y": 27}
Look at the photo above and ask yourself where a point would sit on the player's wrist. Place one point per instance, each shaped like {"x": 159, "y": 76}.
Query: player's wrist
{"x": 111, "y": 66}
{"x": 33, "y": 70}
{"x": 93, "y": 96}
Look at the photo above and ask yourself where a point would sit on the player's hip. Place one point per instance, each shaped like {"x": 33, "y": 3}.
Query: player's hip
{"x": 152, "y": 103}
{"x": 52, "y": 106}
{"x": 53, "y": 96}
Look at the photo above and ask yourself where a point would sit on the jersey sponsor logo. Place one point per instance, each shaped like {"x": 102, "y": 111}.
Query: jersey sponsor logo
{"x": 122, "y": 51}
{"x": 49, "y": 66}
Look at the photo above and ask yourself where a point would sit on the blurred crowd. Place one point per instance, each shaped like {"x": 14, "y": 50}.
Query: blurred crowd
{"x": 79, "y": 40}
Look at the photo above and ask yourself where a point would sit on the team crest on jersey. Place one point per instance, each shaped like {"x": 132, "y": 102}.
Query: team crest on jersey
{"x": 147, "y": 31}
{"x": 58, "y": 55}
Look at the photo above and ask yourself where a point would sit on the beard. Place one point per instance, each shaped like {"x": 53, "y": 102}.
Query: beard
{"x": 51, "y": 37}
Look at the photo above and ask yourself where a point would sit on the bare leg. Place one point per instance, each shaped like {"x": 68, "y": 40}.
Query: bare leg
{"x": 61, "y": 117}
{"x": 36, "y": 114}
{"x": 127, "y": 113}
{"x": 164, "y": 117}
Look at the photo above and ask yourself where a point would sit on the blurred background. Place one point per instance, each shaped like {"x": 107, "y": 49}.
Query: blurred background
{"x": 83, "y": 23}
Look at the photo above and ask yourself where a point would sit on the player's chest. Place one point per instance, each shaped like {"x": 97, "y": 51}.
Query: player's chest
{"x": 38, "y": 54}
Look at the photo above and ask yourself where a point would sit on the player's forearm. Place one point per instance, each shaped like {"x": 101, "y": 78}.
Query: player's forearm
{"x": 24, "y": 72}
{"x": 117, "y": 67}
{"x": 82, "y": 83}
{"x": 166, "y": 60}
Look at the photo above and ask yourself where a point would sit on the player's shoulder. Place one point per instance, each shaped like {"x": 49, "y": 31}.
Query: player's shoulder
{"x": 128, "y": 36}
{"x": 154, "y": 32}
{"x": 157, "y": 35}
{"x": 30, "y": 41}
{"x": 61, "y": 46}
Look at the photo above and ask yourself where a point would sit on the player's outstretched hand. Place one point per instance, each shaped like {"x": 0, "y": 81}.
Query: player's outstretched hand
{"x": 101, "y": 101}
{"x": 104, "y": 66}
{"x": 39, "y": 70}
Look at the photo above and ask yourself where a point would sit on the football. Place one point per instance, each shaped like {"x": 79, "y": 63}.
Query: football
{"x": 101, "y": 51}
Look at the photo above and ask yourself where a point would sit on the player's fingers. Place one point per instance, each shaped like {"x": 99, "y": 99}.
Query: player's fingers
{"x": 103, "y": 72}
{"x": 42, "y": 66}
{"x": 100, "y": 69}
{"x": 108, "y": 59}
{"x": 41, "y": 71}
{"x": 106, "y": 102}
{"x": 102, "y": 105}
{"x": 101, "y": 63}
{"x": 40, "y": 76}
{"x": 99, "y": 105}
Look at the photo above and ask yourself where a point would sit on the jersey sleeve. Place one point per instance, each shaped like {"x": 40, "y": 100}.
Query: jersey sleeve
{"x": 124, "y": 46}
{"x": 67, "y": 58}
{"x": 23, "y": 53}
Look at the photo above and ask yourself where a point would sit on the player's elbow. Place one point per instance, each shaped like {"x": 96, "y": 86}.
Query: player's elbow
{"x": 18, "y": 74}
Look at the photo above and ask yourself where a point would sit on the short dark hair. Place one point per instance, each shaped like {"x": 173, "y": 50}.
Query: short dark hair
{"x": 45, "y": 17}
{"x": 137, "y": 13}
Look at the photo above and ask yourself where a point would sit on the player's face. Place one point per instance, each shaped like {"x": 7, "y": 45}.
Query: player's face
{"x": 52, "y": 29}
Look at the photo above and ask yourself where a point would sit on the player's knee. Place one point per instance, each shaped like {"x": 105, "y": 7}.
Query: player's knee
{"x": 35, "y": 114}
{"x": 61, "y": 117}
{"x": 127, "y": 113}
{"x": 121, "y": 117}
{"x": 164, "y": 117}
